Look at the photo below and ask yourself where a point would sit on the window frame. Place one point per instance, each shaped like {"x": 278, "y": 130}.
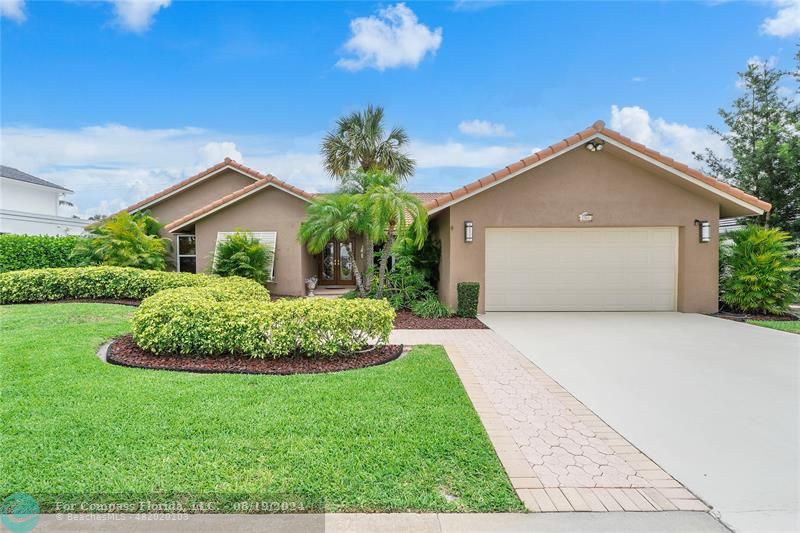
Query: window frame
{"x": 179, "y": 255}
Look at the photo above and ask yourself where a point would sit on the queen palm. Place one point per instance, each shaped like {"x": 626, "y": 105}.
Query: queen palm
{"x": 334, "y": 216}
{"x": 393, "y": 212}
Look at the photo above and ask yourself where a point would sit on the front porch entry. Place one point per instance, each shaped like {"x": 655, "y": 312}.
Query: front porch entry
{"x": 336, "y": 265}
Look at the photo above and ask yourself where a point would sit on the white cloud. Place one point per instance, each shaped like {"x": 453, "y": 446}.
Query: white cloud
{"x": 13, "y": 9}
{"x": 638, "y": 79}
{"x": 112, "y": 166}
{"x": 670, "y": 138}
{"x": 483, "y": 128}
{"x": 454, "y": 154}
{"x": 137, "y": 15}
{"x": 214, "y": 152}
{"x": 392, "y": 38}
{"x": 786, "y": 21}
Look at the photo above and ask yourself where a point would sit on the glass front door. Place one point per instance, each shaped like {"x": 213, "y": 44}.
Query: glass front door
{"x": 336, "y": 265}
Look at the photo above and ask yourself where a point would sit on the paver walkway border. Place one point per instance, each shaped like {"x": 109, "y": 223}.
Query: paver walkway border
{"x": 483, "y": 361}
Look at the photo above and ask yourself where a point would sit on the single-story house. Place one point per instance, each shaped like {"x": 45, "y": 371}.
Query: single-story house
{"x": 594, "y": 222}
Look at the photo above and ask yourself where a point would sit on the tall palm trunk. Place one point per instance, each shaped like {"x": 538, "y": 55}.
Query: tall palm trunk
{"x": 356, "y": 271}
{"x": 385, "y": 253}
{"x": 369, "y": 252}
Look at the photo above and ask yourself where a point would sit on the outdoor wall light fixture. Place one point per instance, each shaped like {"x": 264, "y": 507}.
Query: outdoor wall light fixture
{"x": 595, "y": 145}
{"x": 468, "y": 231}
{"x": 705, "y": 230}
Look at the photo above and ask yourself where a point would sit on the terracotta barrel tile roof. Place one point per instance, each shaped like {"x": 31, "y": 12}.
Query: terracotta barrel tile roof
{"x": 597, "y": 128}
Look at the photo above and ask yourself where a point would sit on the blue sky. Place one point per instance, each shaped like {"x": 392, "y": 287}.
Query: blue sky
{"x": 117, "y": 99}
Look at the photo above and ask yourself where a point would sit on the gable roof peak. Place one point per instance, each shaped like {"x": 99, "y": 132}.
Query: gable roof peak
{"x": 599, "y": 125}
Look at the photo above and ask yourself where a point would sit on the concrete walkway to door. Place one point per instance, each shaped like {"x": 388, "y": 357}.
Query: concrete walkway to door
{"x": 714, "y": 402}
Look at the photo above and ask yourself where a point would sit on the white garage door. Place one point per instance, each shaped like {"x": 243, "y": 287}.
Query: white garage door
{"x": 581, "y": 269}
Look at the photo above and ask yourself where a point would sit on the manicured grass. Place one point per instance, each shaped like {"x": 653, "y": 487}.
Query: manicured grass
{"x": 792, "y": 326}
{"x": 401, "y": 436}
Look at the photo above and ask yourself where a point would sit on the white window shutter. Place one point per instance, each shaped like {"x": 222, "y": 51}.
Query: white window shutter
{"x": 269, "y": 239}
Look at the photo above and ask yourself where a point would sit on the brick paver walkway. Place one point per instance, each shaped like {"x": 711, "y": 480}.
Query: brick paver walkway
{"x": 559, "y": 455}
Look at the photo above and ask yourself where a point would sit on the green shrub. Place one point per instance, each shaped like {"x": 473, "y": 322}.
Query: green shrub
{"x": 404, "y": 284}
{"x": 758, "y": 271}
{"x": 430, "y": 307}
{"x": 468, "y": 292}
{"x": 106, "y": 282}
{"x": 125, "y": 240}
{"x": 19, "y": 252}
{"x": 242, "y": 254}
{"x": 209, "y": 321}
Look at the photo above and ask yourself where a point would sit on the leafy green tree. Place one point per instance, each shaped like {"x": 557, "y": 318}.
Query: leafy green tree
{"x": 758, "y": 270}
{"x": 764, "y": 141}
{"x": 335, "y": 216}
{"x": 359, "y": 154}
{"x": 242, "y": 254}
{"x": 392, "y": 213}
{"x": 127, "y": 240}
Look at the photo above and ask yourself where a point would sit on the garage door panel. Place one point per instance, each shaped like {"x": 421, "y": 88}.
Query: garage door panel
{"x": 581, "y": 269}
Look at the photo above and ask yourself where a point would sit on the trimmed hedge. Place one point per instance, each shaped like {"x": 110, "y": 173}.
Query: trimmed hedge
{"x": 106, "y": 282}
{"x": 468, "y": 292}
{"x": 20, "y": 252}
{"x": 198, "y": 314}
{"x": 208, "y": 321}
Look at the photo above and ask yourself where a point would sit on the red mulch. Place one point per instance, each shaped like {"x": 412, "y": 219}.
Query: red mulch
{"x": 406, "y": 320}
{"x": 124, "y": 352}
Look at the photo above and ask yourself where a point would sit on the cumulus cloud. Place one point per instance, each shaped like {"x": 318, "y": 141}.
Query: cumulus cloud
{"x": 786, "y": 21}
{"x": 392, "y": 38}
{"x": 483, "y": 128}
{"x": 112, "y": 166}
{"x": 13, "y": 9}
{"x": 137, "y": 15}
{"x": 671, "y": 138}
{"x": 214, "y": 152}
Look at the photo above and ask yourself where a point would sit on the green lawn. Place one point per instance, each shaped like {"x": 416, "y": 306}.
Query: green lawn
{"x": 401, "y": 436}
{"x": 792, "y": 326}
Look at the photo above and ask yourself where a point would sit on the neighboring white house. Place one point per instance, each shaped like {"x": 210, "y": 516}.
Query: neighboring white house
{"x": 29, "y": 205}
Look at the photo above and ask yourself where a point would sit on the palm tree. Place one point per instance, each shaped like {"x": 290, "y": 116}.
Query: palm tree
{"x": 357, "y": 148}
{"x": 334, "y": 216}
{"x": 394, "y": 212}
{"x": 358, "y": 144}
{"x": 129, "y": 240}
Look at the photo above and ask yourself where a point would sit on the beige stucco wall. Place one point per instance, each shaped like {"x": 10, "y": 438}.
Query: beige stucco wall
{"x": 269, "y": 209}
{"x": 195, "y": 197}
{"x": 617, "y": 190}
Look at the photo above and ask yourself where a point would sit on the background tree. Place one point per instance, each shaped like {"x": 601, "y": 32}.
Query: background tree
{"x": 764, "y": 141}
{"x": 125, "y": 240}
{"x": 359, "y": 143}
{"x": 334, "y": 216}
{"x": 359, "y": 154}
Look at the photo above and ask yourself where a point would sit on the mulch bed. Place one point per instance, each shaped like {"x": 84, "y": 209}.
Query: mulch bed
{"x": 124, "y": 352}
{"x": 742, "y": 317}
{"x": 406, "y": 320}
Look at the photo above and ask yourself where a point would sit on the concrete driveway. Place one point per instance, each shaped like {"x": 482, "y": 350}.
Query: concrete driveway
{"x": 713, "y": 402}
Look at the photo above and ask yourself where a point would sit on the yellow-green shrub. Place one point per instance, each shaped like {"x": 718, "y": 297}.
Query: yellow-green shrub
{"x": 206, "y": 321}
{"x": 45, "y": 284}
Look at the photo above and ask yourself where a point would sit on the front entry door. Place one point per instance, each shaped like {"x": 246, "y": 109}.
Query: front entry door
{"x": 336, "y": 265}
